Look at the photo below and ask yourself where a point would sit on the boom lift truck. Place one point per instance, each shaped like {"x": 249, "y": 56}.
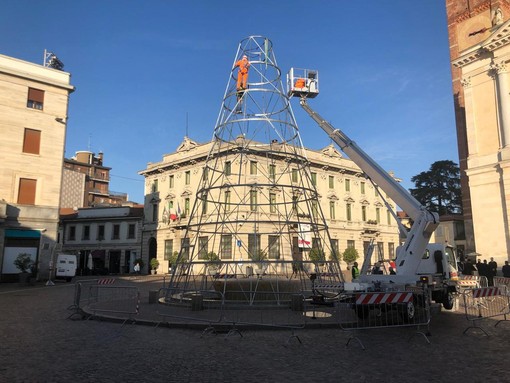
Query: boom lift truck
{"x": 418, "y": 262}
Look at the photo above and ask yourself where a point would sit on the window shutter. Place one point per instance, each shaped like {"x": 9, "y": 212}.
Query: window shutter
{"x": 36, "y": 95}
{"x": 32, "y": 141}
{"x": 26, "y": 193}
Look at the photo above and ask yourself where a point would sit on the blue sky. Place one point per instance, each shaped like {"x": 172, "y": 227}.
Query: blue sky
{"x": 140, "y": 67}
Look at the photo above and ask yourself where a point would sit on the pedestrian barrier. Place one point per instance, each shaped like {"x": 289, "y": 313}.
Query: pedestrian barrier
{"x": 81, "y": 296}
{"x": 207, "y": 307}
{"x": 467, "y": 282}
{"x": 212, "y": 308}
{"x": 114, "y": 300}
{"x": 501, "y": 281}
{"x": 483, "y": 303}
{"x": 388, "y": 309}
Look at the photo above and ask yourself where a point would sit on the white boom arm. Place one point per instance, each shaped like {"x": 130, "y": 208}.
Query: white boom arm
{"x": 425, "y": 222}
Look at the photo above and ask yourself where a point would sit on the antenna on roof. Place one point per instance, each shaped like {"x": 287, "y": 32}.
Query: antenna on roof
{"x": 52, "y": 61}
{"x": 187, "y": 124}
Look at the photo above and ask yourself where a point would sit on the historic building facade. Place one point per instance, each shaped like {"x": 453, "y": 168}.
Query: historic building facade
{"x": 106, "y": 239}
{"x": 479, "y": 33}
{"x": 354, "y": 211}
{"x": 33, "y": 113}
{"x": 86, "y": 182}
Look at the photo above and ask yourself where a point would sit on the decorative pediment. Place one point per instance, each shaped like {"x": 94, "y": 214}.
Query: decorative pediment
{"x": 186, "y": 145}
{"x": 331, "y": 151}
{"x": 170, "y": 196}
{"x": 186, "y": 193}
{"x": 333, "y": 197}
{"x": 348, "y": 200}
{"x": 364, "y": 202}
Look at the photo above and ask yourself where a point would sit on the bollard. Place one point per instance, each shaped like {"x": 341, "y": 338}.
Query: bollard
{"x": 197, "y": 302}
{"x": 153, "y": 296}
{"x": 296, "y": 303}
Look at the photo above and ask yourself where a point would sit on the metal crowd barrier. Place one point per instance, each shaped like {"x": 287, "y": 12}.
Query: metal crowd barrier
{"x": 388, "y": 309}
{"x": 122, "y": 300}
{"x": 467, "y": 282}
{"x": 484, "y": 303}
{"x": 206, "y": 305}
{"x": 501, "y": 281}
{"x": 82, "y": 295}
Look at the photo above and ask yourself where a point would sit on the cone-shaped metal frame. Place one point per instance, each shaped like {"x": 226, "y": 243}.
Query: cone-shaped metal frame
{"x": 256, "y": 206}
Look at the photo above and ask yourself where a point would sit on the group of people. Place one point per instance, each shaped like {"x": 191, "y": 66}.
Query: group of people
{"x": 484, "y": 269}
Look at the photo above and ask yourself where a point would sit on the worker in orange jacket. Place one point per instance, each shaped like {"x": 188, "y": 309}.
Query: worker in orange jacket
{"x": 242, "y": 73}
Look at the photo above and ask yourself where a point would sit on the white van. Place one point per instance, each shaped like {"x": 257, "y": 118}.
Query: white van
{"x": 66, "y": 266}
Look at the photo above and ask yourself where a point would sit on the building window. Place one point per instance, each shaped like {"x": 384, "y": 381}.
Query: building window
{"x": 388, "y": 217}
{"x": 331, "y": 182}
{"x": 315, "y": 209}
{"x": 187, "y": 177}
{"x": 154, "y": 186}
{"x": 334, "y": 247}
{"x": 347, "y": 185}
{"x": 294, "y": 175}
{"x": 253, "y": 168}
{"x": 205, "y": 174}
{"x": 294, "y": 204}
{"x": 332, "y": 210}
{"x": 363, "y": 213}
{"x": 380, "y": 251}
{"x": 253, "y": 245}
{"x": 348, "y": 212}
{"x": 274, "y": 247}
{"x": 35, "y": 98}
{"x": 116, "y": 232}
{"x": 26, "y": 192}
{"x": 186, "y": 207}
{"x": 272, "y": 172}
{"x": 202, "y": 247}
{"x": 378, "y": 215}
{"x": 72, "y": 233}
{"x": 228, "y": 168}
{"x": 171, "y": 181}
{"x": 86, "y": 232}
{"x": 314, "y": 178}
{"x": 185, "y": 248}
{"x": 169, "y": 249}
{"x": 32, "y": 141}
{"x": 131, "y": 231}
{"x": 100, "y": 232}
{"x": 204, "y": 203}
{"x": 362, "y": 187}
{"x": 351, "y": 244}
{"x": 272, "y": 202}
{"x": 155, "y": 208}
{"x": 253, "y": 200}
{"x": 391, "y": 250}
{"x": 226, "y": 246}
{"x": 227, "y": 200}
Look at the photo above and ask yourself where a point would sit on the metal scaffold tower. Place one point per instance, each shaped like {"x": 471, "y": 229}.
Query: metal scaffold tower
{"x": 256, "y": 213}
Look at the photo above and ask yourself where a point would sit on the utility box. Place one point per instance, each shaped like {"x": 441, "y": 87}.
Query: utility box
{"x": 197, "y": 302}
{"x": 302, "y": 83}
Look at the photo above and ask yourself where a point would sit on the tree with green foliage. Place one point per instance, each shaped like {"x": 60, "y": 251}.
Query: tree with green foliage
{"x": 438, "y": 189}
{"x": 350, "y": 255}
{"x": 317, "y": 256}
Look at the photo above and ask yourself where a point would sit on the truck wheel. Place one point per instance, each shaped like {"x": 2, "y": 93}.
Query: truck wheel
{"x": 448, "y": 300}
{"x": 407, "y": 311}
{"x": 361, "y": 311}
